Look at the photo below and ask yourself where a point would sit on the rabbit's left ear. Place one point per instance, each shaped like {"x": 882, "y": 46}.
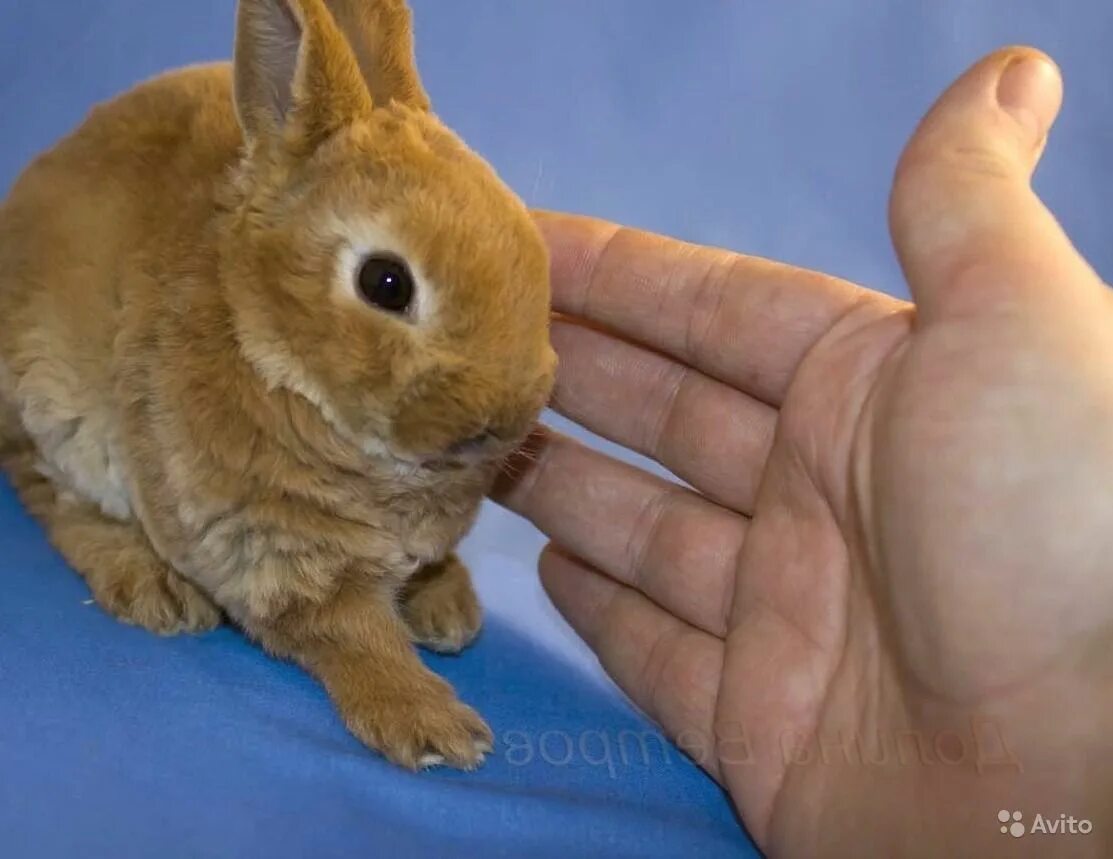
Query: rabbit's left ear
{"x": 296, "y": 78}
{"x": 381, "y": 35}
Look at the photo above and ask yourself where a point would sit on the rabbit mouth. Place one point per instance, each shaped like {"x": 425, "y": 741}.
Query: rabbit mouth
{"x": 474, "y": 445}
{"x": 474, "y": 451}
{"x": 440, "y": 466}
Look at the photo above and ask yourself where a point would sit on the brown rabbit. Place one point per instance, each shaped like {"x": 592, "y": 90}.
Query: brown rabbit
{"x": 266, "y": 330}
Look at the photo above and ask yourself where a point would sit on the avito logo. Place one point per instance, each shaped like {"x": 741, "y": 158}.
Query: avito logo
{"x": 1012, "y": 823}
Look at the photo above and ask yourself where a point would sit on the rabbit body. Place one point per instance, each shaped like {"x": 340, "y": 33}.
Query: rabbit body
{"x": 200, "y": 403}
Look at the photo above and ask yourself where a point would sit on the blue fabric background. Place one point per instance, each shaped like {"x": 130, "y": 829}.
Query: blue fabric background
{"x": 769, "y": 128}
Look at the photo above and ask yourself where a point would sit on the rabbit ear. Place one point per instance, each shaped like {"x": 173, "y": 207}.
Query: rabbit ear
{"x": 296, "y": 78}
{"x": 381, "y": 35}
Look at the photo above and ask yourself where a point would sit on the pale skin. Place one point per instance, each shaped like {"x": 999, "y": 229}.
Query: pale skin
{"x": 901, "y": 515}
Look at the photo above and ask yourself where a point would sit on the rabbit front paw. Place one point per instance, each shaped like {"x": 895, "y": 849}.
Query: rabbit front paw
{"x": 440, "y": 607}
{"x": 418, "y": 725}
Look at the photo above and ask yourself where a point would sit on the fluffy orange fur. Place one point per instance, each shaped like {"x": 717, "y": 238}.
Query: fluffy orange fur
{"x": 205, "y": 417}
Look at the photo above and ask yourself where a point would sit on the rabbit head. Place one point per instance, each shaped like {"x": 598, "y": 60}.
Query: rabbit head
{"x": 374, "y": 264}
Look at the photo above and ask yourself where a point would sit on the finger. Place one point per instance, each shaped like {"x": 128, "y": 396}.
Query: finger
{"x": 742, "y": 320}
{"x": 712, "y": 436}
{"x": 669, "y": 669}
{"x": 970, "y": 232}
{"x": 676, "y": 547}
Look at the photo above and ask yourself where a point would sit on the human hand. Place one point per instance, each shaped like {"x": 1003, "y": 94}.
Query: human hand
{"x": 900, "y": 516}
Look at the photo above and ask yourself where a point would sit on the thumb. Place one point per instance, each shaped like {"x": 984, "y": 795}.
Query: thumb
{"x": 970, "y": 232}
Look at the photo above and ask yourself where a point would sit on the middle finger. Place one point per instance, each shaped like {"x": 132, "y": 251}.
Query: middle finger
{"x": 668, "y": 542}
{"x": 712, "y": 436}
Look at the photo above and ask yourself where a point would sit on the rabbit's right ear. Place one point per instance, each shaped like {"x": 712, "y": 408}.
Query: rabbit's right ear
{"x": 296, "y": 78}
{"x": 381, "y": 35}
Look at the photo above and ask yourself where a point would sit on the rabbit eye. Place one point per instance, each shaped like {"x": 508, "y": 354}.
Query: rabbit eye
{"x": 385, "y": 282}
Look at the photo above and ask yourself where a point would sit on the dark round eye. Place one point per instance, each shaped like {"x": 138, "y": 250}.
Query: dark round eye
{"x": 386, "y": 282}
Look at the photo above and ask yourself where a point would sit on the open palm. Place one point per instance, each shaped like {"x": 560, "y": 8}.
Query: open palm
{"x": 889, "y": 575}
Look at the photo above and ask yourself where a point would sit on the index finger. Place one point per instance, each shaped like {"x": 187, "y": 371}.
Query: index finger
{"x": 744, "y": 320}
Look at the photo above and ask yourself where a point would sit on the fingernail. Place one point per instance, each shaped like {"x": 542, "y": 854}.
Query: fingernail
{"x": 1028, "y": 90}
